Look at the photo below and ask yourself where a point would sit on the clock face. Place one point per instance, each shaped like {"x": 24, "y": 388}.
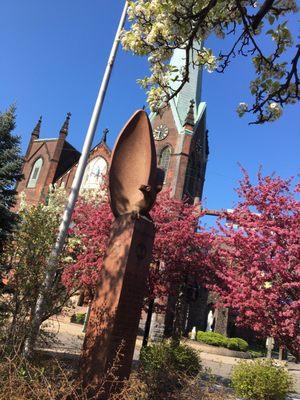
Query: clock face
{"x": 160, "y": 132}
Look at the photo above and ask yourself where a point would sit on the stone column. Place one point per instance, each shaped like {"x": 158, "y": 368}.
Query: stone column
{"x": 116, "y": 310}
{"x": 221, "y": 321}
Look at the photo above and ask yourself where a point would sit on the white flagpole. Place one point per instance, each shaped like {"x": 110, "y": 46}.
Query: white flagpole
{"x": 88, "y": 141}
{"x": 66, "y": 219}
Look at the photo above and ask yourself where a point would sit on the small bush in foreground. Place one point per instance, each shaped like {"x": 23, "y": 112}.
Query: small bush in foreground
{"x": 164, "y": 368}
{"x": 46, "y": 378}
{"x": 216, "y": 339}
{"x": 38, "y": 380}
{"x": 162, "y": 356}
{"x": 261, "y": 380}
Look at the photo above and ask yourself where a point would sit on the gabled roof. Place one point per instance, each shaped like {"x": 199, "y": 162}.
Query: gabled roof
{"x": 69, "y": 156}
{"x": 101, "y": 143}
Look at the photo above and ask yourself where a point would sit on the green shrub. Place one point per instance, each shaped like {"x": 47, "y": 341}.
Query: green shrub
{"x": 163, "y": 356}
{"x": 164, "y": 369}
{"x": 261, "y": 379}
{"x": 256, "y": 353}
{"x": 216, "y": 339}
{"x": 237, "y": 344}
{"x": 212, "y": 338}
{"x": 78, "y": 318}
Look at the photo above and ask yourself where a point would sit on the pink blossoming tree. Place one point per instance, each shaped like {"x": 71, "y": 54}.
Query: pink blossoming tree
{"x": 252, "y": 262}
{"x": 256, "y": 259}
{"x": 178, "y": 250}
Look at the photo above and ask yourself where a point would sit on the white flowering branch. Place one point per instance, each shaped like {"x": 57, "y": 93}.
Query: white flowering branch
{"x": 160, "y": 26}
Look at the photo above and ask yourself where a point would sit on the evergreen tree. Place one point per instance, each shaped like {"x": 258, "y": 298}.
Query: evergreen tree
{"x": 10, "y": 172}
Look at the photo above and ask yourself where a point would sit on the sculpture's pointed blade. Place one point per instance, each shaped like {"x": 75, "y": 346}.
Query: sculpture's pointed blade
{"x": 133, "y": 164}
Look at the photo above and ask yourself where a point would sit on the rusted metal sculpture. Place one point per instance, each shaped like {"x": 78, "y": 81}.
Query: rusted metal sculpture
{"x": 134, "y": 181}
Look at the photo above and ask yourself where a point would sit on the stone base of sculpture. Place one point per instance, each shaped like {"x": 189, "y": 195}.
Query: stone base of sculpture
{"x": 115, "y": 313}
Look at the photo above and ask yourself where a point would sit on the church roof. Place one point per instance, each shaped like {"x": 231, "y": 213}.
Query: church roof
{"x": 75, "y": 163}
{"x": 69, "y": 156}
{"x": 45, "y": 140}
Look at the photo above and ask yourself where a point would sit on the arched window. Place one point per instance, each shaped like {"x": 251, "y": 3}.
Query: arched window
{"x": 34, "y": 176}
{"x": 164, "y": 158}
{"x": 94, "y": 174}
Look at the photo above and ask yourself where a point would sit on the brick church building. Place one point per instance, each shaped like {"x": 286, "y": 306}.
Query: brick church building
{"x": 182, "y": 151}
{"x": 181, "y": 143}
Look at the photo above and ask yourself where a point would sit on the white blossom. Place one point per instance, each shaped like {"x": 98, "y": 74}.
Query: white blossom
{"x": 275, "y": 111}
{"x": 160, "y": 26}
{"x": 242, "y": 108}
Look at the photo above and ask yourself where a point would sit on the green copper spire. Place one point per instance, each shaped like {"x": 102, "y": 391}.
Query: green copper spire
{"x": 191, "y": 91}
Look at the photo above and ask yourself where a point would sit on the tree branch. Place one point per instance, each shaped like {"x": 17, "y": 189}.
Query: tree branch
{"x": 265, "y": 8}
{"x": 200, "y": 16}
{"x": 277, "y": 96}
{"x": 247, "y": 30}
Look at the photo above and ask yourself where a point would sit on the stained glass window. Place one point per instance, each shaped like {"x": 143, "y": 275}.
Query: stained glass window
{"x": 164, "y": 158}
{"x": 94, "y": 173}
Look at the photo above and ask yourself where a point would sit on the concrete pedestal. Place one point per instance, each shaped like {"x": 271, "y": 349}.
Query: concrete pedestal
{"x": 157, "y": 327}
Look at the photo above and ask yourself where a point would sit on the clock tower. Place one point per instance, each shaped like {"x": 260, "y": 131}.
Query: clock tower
{"x": 182, "y": 150}
{"x": 181, "y": 137}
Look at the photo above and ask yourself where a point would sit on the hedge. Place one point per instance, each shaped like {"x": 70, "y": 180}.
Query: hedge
{"x": 216, "y": 339}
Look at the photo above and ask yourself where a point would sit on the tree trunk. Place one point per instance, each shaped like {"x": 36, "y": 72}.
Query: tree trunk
{"x": 148, "y": 323}
{"x": 40, "y": 308}
{"x": 178, "y": 317}
{"x": 13, "y": 324}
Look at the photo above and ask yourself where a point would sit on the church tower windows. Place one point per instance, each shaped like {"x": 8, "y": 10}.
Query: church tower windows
{"x": 35, "y": 172}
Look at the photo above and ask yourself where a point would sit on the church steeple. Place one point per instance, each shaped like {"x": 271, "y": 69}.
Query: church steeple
{"x": 190, "y": 117}
{"x": 65, "y": 127}
{"x": 35, "y": 134}
{"x": 191, "y": 90}
{"x": 179, "y": 132}
{"x": 37, "y": 129}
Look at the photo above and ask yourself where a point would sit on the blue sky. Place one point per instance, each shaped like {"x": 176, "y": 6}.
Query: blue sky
{"x": 53, "y": 54}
